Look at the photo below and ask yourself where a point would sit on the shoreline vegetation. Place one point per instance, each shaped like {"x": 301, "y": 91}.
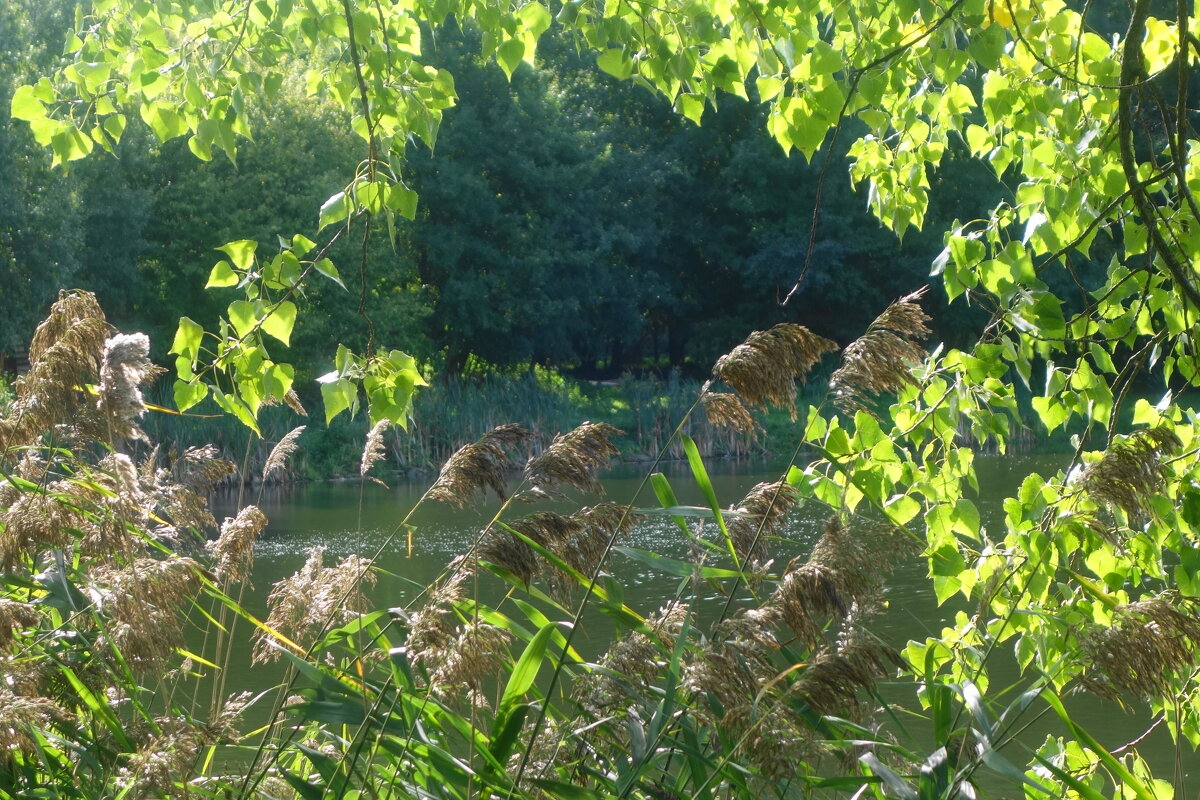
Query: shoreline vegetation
{"x": 455, "y": 411}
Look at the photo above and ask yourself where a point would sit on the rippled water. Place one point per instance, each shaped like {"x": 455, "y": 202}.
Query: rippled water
{"x": 345, "y": 518}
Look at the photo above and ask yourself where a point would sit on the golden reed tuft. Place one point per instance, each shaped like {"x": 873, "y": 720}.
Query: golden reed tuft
{"x": 233, "y": 550}
{"x": 64, "y": 357}
{"x": 880, "y": 361}
{"x": 1150, "y": 644}
{"x": 373, "y": 450}
{"x": 302, "y": 605}
{"x": 1131, "y": 471}
{"x": 481, "y": 465}
{"x": 573, "y": 458}
{"x": 757, "y": 517}
{"x": 281, "y": 452}
{"x": 725, "y": 410}
{"x": 764, "y": 368}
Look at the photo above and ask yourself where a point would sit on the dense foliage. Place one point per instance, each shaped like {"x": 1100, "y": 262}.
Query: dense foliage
{"x": 1092, "y": 582}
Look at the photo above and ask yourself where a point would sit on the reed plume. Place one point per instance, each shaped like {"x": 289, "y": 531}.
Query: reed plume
{"x": 1149, "y": 645}
{"x": 481, "y": 465}
{"x": 125, "y": 366}
{"x": 373, "y": 451}
{"x": 764, "y": 368}
{"x": 636, "y": 660}
{"x": 431, "y": 628}
{"x": 846, "y": 567}
{"x": 292, "y": 401}
{"x": 64, "y": 357}
{"x": 757, "y": 517}
{"x": 880, "y": 361}
{"x": 233, "y": 550}
{"x": 281, "y": 452}
{"x": 303, "y": 604}
{"x": 573, "y": 458}
{"x": 837, "y": 676}
{"x": 38, "y": 520}
{"x": 477, "y": 653}
{"x": 23, "y": 720}
{"x": 726, "y": 410}
{"x": 1132, "y": 470}
{"x": 15, "y": 615}
{"x": 142, "y": 603}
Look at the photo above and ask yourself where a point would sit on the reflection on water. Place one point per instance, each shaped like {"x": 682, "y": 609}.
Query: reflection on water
{"x": 346, "y": 518}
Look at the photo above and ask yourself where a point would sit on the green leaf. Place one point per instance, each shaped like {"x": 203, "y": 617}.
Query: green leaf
{"x": 189, "y": 393}
{"x": 509, "y": 55}
{"x": 25, "y": 105}
{"x": 279, "y": 323}
{"x": 615, "y": 63}
{"x": 338, "y": 395}
{"x": 526, "y": 669}
{"x": 326, "y": 268}
{"x": 243, "y": 316}
{"x": 232, "y": 405}
{"x": 334, "y": 210}
{"x": 187, "y": 339}
{"x": 241, "y": 253}
{"x": 222, "y": 275}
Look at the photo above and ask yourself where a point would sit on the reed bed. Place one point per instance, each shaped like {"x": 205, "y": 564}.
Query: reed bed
{"x": 767, "y": 687}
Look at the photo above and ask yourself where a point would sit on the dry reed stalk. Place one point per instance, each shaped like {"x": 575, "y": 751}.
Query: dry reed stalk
{"x": 758, "y": 516}
{"x": 725, "y": 410}
{"x": 15, "y": 616}
{"x": 1149, "y": 645}
{"x": 302, "y": 605}
{"x": 573, "y": 458}
{"x": 373, "y": 450}
{"x": 124, "y": 367}
{"x": 764, "y": 368}
{"x": 481, "y": 465}
{"x": 233, "y": 550}
{"x": 880, "y": 361}
{"x": 1132, "y": 471}
{"x": 281, "y": 452}
{"x": 23, "y": 720}
{"x": 142, "y": 603}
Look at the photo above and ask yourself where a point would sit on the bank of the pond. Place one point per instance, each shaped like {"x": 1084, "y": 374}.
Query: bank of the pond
{"x": 454, "y": 411}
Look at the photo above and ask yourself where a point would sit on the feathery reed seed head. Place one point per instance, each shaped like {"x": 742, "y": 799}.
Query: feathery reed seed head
{"x": 124, "y": 367}
{"x": 758, "y": 516}
{"x": 1150, "y": 643}
{"x": 281, "y": 452}
{"x": 301, "y": 605}
{"x": 481, "y": 465}
{"x": 1132, "y": 470}
{"x": 15, "y": 615}
{"x": 373, "y": 451}
{"x": 142, "y": 603}
{"x": 233, "y": 550}
{"x": 880, "y": 361}
{"x": 573, "y": 458}
{"x": 764, "y": 368}
{"x": 726, "y": 410}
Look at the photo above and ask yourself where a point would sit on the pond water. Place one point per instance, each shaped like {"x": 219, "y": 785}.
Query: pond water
{"x": 345, "y": 518}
